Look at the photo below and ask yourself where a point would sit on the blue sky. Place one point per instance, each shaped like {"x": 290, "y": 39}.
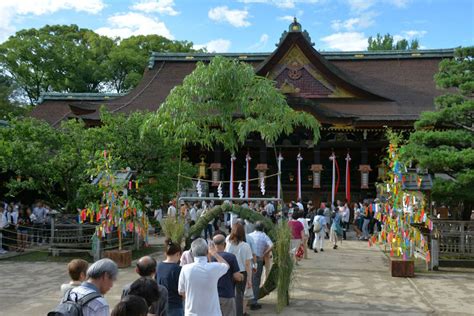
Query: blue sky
{"x": 254, "y": 25}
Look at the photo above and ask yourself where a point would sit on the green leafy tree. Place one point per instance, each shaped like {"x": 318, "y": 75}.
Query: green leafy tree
{"x": 155, "y": 162}
{"x": 49, "y": 161}
{"x": 386, "y": 42}
{"x": 130, "y": 56}
{"x": 221, "y": 103}
{"x": 444, "y": 139}
{"x": 62, "y": 58}
{"x": 8, "y": 106}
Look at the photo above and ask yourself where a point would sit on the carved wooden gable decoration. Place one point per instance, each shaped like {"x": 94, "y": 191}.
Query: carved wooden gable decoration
{"x": 296, "y": 75}
{"x": 299, "y": 70}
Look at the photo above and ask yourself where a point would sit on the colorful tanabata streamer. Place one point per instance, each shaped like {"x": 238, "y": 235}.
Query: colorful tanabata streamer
{"x": 115, "y": 210}
{"x": 398, "y": 212}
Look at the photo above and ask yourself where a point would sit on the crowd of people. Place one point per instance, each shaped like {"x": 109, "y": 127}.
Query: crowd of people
{"x": 22, "y": 226}
{"x": 214, "y": 277}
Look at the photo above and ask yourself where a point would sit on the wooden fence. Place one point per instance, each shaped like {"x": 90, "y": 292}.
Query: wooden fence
{"x": 452, "y": 240}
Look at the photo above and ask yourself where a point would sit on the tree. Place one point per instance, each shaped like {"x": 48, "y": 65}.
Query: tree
{"x": 129, "y": 57}
{"x": 54, "y": 163}
{"x": 49, "y": 161}
{"x": 386, "y": 42}
{"x": 8, "y": 106}
{"x": 62, "y": 58}
{"x": 444, "y": 139}
{"x": 155, "y": 162}
{"x": 222, "y": 103}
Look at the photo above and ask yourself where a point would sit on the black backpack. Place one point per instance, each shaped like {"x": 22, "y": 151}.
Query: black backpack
{"x": 69, "y": 307}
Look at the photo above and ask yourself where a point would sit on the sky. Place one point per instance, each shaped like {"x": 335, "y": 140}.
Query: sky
{"x": 254, "y": 25}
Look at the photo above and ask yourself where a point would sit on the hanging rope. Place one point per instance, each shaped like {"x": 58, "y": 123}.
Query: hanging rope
{"x": 235, "y": 181}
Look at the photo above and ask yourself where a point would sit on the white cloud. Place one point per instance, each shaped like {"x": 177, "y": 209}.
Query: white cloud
{"x": 360, "y": 5}
{"x": 399, "y": 3}
{"x": 237, "y": 18}
{"x": 283, "y": 4}
{"x": 261, "y": 43}
{"x": 408, "y": 35}
{"x": 288, "y": 18}
{"x": 12, "y": 9}
{"x": 129, "y": 24}
{"x": 215, "y": 46}
{"x": 156, "y": 6}
{"x": 346, "y": 41}
{"x": 414, "y": 34}
{"x": 363, "y": 21}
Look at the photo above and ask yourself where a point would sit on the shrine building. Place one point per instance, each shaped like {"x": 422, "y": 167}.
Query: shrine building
{"x": 354, "y": 95}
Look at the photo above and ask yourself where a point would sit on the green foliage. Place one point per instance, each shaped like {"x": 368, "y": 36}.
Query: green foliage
{"x": 49, "y": 161}
{"x": 281, "y": 272}
{"x": 386, "y": 42}
{"x": 173, "y": 228}
{"x": 444, "y": 139}
{"x": 8, "y": 107}
{"x": 155, "y": 162}
{"x": 284, "y": 263}
{"x": 241, "y": 212}
{"x": 222, "y": 103}
{"x": 62, "y": 58}
{"x": 54, "y": 162}
{"x": 66, "y": 58}
{"x": 128, "y": 58}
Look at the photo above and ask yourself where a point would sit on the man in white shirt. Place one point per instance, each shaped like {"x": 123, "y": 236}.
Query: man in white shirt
{"x": 198, "y": 280}
{"x": 171, "y": 209}
{"x": 263, "y": 245}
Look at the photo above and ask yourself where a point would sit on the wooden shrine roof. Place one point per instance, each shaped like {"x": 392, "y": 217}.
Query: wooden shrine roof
{"x": 378, "y": 88}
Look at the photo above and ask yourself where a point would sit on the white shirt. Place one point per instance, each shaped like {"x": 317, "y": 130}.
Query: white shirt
{"x": 242, "y": 251}
{"x": 172, "y": 211}
{"x": 300, "y": 206}
{"x": 158, "y": 214}
{"x": 192, "y": 214}
{"x": 198, "y": 280}
{"x": 346, "y": 213}
{"x": 304, "y": 221}
{"x": 3, "y": 219}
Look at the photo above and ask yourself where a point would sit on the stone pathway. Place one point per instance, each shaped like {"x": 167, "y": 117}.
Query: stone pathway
{"x": 352, "y": 280}
{"x": 355, "y": 280}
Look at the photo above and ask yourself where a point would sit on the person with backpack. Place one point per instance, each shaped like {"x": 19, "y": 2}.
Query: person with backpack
{"x": 319, "y": 225}
{"x": 87, "y": 299}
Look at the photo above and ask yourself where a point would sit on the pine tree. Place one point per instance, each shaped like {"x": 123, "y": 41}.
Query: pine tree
{"x": 444, "y": 139}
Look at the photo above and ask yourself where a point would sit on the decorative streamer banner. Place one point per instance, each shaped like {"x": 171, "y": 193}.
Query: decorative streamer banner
{"x": 333, "y": 184}
{"x": 247, "y": 174}
{"x": 299, "y": 158}
{"x": 231, "y": 182}
{"x": 348, "y": 178}
{"x": 280, "y": 158}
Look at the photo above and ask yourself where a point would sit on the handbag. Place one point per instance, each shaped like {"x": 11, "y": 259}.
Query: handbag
{"x": 300, "y": 252}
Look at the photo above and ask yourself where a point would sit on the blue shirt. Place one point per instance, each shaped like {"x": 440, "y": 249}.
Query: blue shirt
{"x": 226, "y": 284}
{"x": 167, "y": 274}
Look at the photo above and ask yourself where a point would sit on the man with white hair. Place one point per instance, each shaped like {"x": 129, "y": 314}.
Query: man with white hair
{"x": 198, "y": 280}
{"x": 101, "y": 276}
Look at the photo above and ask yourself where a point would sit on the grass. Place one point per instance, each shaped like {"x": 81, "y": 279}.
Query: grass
{"x": 173, "y": 228}
{"x": 285, "y": 264}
